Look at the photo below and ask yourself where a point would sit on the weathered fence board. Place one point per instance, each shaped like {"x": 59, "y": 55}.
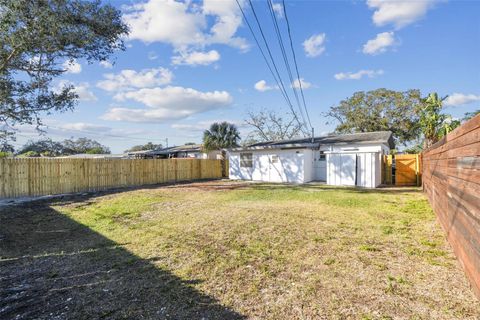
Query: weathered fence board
{"x": 45, "y": 176}
{"x": 451, "y": 181}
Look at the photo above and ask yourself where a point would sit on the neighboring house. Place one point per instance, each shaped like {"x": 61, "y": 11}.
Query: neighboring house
{"x": 350, "y": 159}
{"x": 185, "y": 151}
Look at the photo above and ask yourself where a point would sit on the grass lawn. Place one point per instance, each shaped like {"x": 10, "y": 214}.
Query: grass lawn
{"x": 230, "y": 250}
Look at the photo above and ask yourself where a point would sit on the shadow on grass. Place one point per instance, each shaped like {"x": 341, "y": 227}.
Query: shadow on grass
{"x": 52, "y": 267}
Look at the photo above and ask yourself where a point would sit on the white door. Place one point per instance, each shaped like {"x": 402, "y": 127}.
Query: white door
{"x": 348, "y": 169}
{"x": 341, "y": 169}
{"x": 274, "y": 174}
{"x": 320, "y": 166}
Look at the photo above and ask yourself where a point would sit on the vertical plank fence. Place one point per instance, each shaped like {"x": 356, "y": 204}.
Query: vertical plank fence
{"x": 451, "y": 181}
{"x": 408, "y": 170}
{"x": 21, "y": 177}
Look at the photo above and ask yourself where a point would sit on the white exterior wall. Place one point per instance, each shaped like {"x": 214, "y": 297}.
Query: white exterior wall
{"x": 354, "y": 148}
{"x": 297, "y": 165}
{"x": 293, "y": 166}
{"x": 210, "y": 155}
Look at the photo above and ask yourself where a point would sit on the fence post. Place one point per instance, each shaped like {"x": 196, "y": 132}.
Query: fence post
{"x": 387, "y": 163}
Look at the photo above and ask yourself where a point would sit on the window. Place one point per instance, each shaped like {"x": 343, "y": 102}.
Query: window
{"x": 274, "y": 158}
{"x": 323, "y": 156}
{"x": 246, "y": 160}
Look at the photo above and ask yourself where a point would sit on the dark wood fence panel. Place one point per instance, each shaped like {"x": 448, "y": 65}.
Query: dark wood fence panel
{"x": 451, "y": 181}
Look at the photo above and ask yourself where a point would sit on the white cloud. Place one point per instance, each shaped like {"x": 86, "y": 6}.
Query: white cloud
{"x": 185, "y": 24}
{"x": 81, "y": 89}
{"x": 196, "y": 58}
{"x": 399, "y": 12}
{"x": 167, "y": 104}
{"x": 130, "y": 79}
{"x": 204, "y": 124}
{"x": 278, "y": 9}
{"x": 262, "y": 86}
{"x": 82, "y": 126}
{"x": 72, "y": 66}
{"x": 228, "y": 20}
{"x": 305, "y": 84}
{"x": 106, "y": 64}
{"x": 458, "y": 99}
{"x": 84, "y": 94}
{"x": 315, "y": 45}
{"x": 380, "y": 44}
{"x": 358, "y": 75}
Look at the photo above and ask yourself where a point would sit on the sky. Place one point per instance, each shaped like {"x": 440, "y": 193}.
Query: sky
{"x": 188, "y": 64}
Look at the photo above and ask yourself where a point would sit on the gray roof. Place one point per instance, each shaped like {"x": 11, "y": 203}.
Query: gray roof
{"x": 170, "y": 150}
{"x": 96, "y": 156}
{"x": 384, "y": 137}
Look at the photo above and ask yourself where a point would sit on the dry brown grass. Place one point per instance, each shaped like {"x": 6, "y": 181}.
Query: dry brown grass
{"x": 231, "y": 250}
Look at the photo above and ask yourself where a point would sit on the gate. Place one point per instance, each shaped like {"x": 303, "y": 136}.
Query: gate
{"x": 402, "y": 170}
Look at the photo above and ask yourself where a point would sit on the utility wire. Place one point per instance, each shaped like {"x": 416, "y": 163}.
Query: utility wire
{"x": 286, "y": 60}
{"x": 274, "y": 64}
{"x": 295, "y": 61}
{"x": 262, "y": 52}
{"x": 274, "y": 74}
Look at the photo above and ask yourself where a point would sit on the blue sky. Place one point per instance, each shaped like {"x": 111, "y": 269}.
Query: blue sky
{"x": 189, "y": 64}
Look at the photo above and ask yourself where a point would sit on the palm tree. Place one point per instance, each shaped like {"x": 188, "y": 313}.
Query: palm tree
{"x": 219, "y": 137}
{"x": 433, "y": 123}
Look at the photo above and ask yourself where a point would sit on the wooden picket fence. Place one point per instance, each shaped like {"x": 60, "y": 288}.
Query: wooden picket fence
{"x": 48, "y": 176}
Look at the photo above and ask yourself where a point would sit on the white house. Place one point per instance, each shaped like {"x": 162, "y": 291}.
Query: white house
{"x": 349, "y": 160}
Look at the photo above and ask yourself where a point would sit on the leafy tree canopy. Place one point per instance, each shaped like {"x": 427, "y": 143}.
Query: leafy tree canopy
{"x": 143, "y": 147}
{"x": 379, "y": 110}
{"x": 470, "y": 115}
{"x": 83, "y": 145}
{"x": 50, "y": 148}
{"x": 36, "y": 39}
{"x": 44, "y": 147}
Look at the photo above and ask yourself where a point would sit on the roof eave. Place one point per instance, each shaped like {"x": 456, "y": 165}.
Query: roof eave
{"x": 282, "y": 147}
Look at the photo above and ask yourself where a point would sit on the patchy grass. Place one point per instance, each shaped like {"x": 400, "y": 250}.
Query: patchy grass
{"x": 232, "y": 250}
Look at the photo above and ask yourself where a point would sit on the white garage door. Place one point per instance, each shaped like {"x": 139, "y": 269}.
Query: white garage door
{"x": 341, "y": 169}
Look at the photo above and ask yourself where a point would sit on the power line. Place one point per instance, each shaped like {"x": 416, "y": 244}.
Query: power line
{"x": 273, "y": 62}
{"x": 285, "y": 57}
{"x": 274, "y": 74}
{"x": 295, "y": 61}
